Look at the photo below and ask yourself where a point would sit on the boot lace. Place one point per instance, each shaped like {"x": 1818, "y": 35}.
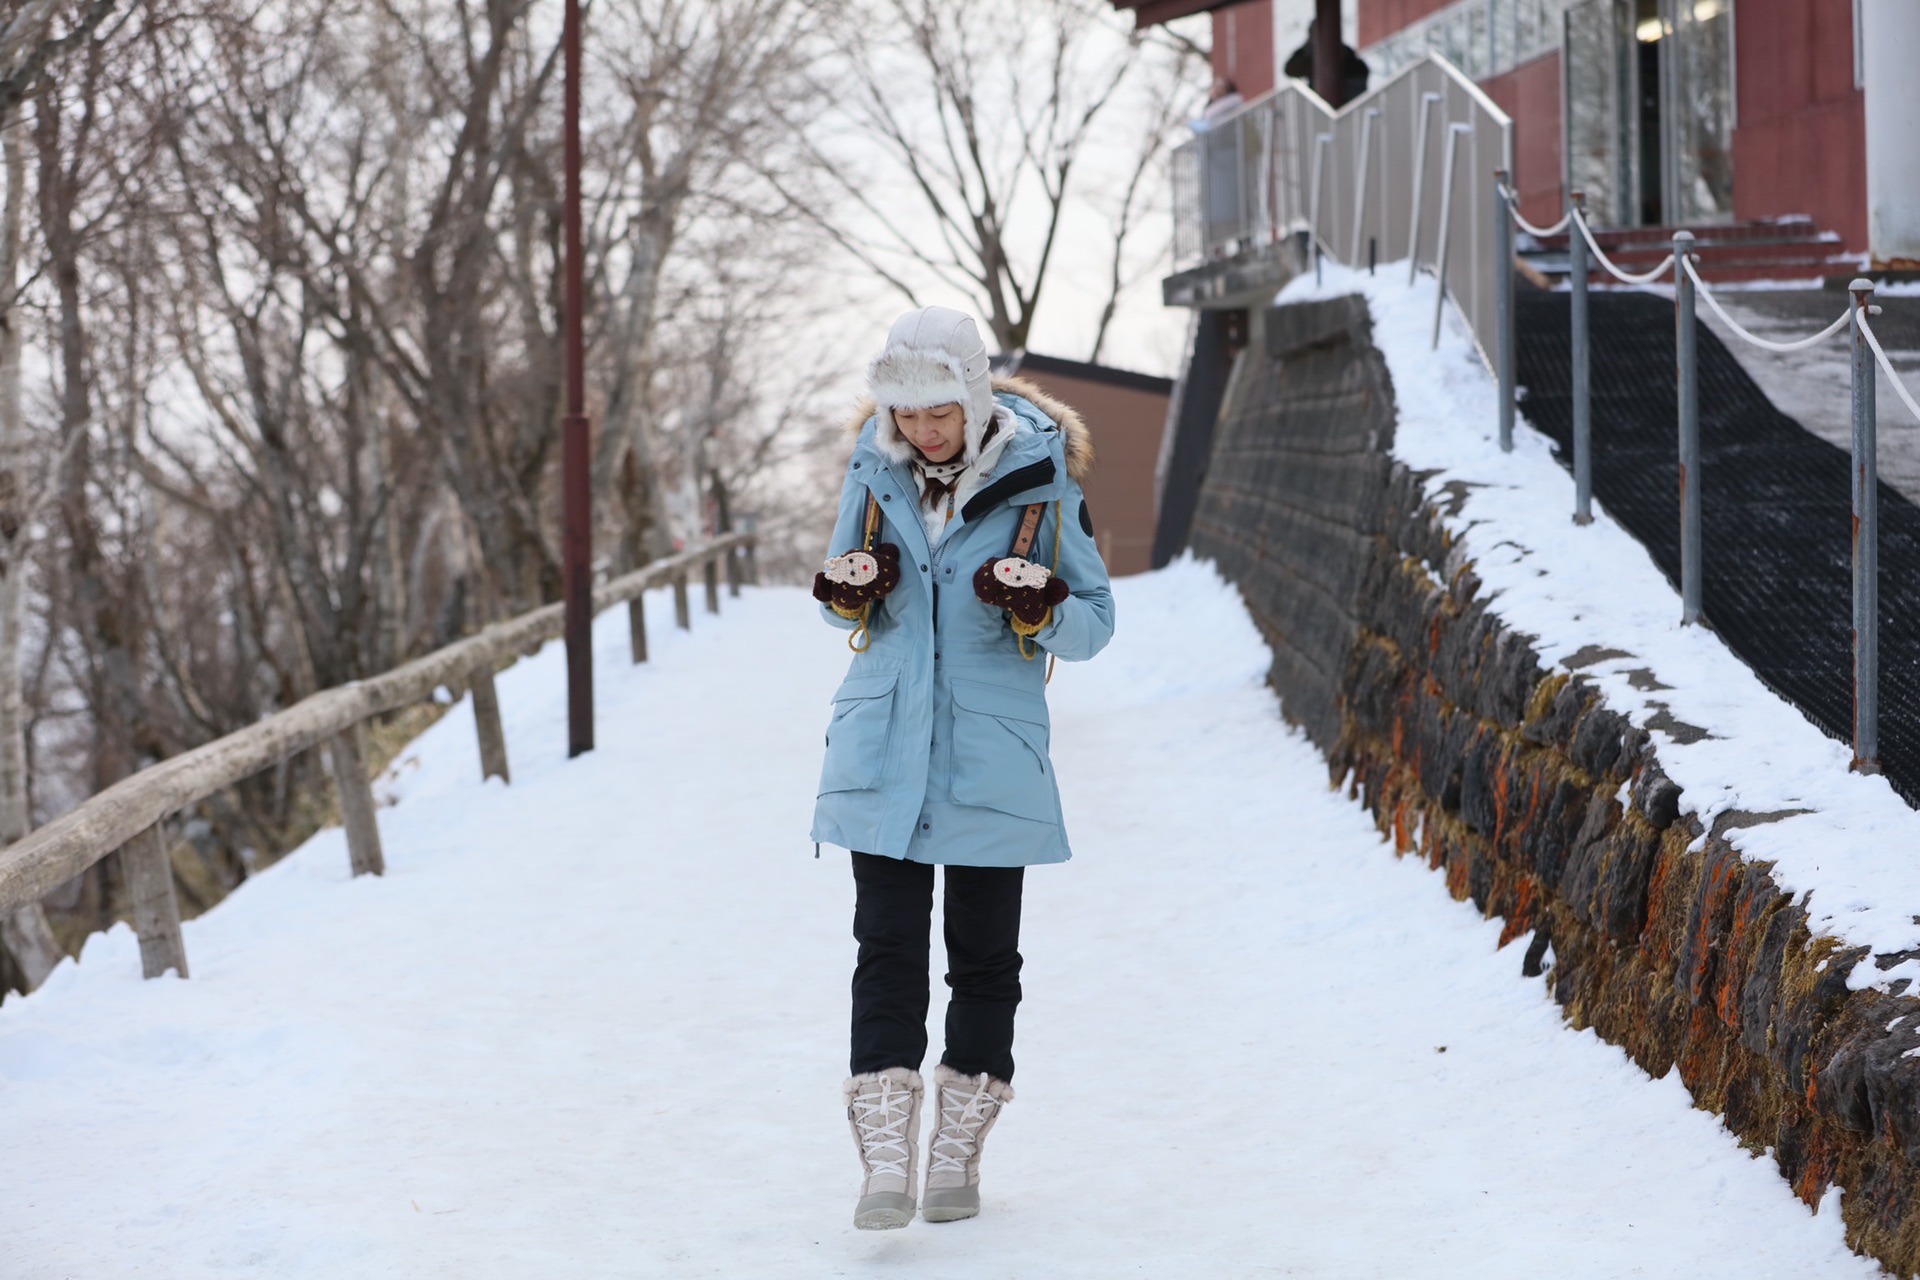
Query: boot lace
{"x": 881, "y": 1117}
{"x": 961, "y": 1115}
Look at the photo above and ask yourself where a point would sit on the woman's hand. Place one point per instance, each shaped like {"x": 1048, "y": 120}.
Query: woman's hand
{"x": 852, "y": 581}
{"x": 1026, "y": 590}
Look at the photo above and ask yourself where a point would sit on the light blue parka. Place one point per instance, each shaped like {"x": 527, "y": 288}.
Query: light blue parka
{"x": 938, "y": 747}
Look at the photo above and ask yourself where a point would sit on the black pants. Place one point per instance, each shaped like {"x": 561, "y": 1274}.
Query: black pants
{"x": 892, "y": 922}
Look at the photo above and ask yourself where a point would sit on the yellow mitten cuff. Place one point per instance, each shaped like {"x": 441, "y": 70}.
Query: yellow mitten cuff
{"x": 1029, "y": 629}
{"x": 851, "y": 615}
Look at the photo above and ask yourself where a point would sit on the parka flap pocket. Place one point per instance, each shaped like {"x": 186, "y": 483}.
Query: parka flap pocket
{"x": 1000, "y": 751}
{"x": 857, "y": 738}
{"x": 998, "y": 700}
{"x": 866, "y": 686}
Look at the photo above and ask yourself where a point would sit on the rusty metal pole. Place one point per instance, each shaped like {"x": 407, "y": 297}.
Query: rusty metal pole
{"x": 1503, "y": 301}
{"x": 577, "y": 491}
{"x": 1866, "y": 540}
{"x": 1326, "y": 52}
{"x": 1687, "y": 376}
{"x": 1582, "y": 362}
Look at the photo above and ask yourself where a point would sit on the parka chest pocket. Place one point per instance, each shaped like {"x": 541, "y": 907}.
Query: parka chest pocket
{"x": 1000, "y": 751}
{"x": 857, "y": 738}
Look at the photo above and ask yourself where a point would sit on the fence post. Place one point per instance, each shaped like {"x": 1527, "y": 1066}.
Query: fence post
{"x": 637, "y": 627}
{"x": 1582, "y": 355}
{"x": 1361, "y": 175}
{"x": 752, "y": 565}
{"x": 156, "y": 909}
{"x": 356, "y": 803}
{"x": 733, "y": 572}
{"x": 711, "y": 572}
{"x": 1503, "y": 300}
{"x": 1321, "y": 144}
{"x": 1419, "y": 186}
{"x": 1446, "y": 218}
{"x": 1688, "y": 377}
{"x": 682, "y": 614}
{"x": 1866, "y": 542}
{"x": 486, "y": 726}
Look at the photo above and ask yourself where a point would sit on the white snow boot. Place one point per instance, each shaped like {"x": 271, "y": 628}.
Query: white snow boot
{"x": 966, "y": 1107}
{"x": 883, "y": 1108}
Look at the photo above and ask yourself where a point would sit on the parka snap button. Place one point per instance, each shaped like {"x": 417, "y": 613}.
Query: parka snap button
{"x": 886, "y": 497}
{"x": 926, "y": 826}
{"x": 923, "y": 568}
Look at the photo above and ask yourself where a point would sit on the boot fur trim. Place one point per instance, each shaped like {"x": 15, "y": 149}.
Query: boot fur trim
{"x": 999, "y": 1090}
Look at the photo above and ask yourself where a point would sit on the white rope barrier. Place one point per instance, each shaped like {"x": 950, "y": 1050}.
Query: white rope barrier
{"x": 1607, "y": 263}
{"x": 1538, "y": 233}
{"x": 1755, "y": 339}
{"x": 1866, "y": 331}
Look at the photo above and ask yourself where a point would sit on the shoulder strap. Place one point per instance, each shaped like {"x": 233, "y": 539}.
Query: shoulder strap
{"x": 1029, "y": 529}
{"x": 873, "y": 523}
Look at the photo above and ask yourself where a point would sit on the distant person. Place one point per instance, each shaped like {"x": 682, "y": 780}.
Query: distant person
{"x": 1223, "y": 101}
{"x": 963, "y": 563}
{"x": 1353, "y": 69}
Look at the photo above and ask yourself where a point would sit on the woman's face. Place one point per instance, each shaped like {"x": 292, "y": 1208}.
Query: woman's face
{"x": 938, "y": 433}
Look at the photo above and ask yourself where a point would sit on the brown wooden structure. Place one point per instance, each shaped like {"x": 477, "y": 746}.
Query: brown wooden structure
{"x": 1128, "y": 414}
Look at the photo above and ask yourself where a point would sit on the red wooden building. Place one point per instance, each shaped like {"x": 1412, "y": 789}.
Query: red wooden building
{"x": 1791, "y": 120}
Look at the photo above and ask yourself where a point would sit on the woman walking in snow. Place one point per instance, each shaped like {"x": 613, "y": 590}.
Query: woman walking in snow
{"x": 963, "y": 554}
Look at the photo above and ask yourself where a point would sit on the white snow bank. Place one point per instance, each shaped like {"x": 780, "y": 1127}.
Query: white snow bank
{"x": 593, "y": 1025}
{"x": 1851, "y": 854}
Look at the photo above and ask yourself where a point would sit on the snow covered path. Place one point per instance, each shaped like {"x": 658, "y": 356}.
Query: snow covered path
{"x": 592, "y": 1025}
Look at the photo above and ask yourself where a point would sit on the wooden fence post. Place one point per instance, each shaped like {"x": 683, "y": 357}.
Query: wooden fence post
{"x": 156, "y": 910}
{"x": 356, "y": 803}
{"x": 753, "y": 565}
{"x": 733, "y": 572}
{"x": 713, "y": 584}
{"x": 486, "y": 724}
{"x": 682, "y": 614}
{"x": 637, "y": 627}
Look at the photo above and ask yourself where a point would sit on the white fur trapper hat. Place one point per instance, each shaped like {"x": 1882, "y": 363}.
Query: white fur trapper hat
{"x": 933, "y": 356}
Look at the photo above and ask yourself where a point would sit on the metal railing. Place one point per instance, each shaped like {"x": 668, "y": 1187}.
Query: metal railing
{"x": 129, "y": 815}
{"x": 1689, "y": 291}
{"x": 1400, "y": 172}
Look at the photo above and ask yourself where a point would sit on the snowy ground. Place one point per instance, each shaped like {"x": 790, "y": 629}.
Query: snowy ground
{"x": 593, "y": 1025}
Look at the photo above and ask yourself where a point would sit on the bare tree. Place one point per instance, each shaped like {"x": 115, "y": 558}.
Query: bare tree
{"x": 698, "y": 86}
{"x": 28, "y": 47}
{"x": 280, "y": 370}
{"x": 982, "y": 115}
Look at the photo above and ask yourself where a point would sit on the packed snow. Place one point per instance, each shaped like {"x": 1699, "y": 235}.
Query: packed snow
{"x": 593, "y": 1024}
{"x": 1841, "y": 841}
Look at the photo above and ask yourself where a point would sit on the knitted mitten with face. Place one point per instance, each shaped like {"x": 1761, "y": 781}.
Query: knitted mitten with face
{"x": 1027, "y": 591}
{"x": 852, "y": 581}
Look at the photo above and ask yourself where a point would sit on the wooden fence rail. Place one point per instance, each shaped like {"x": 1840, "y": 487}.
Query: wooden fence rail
{"x": 127, "y": 815}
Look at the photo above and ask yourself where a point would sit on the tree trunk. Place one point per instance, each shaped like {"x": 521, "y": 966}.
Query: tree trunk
{"x": 24, "y": 931}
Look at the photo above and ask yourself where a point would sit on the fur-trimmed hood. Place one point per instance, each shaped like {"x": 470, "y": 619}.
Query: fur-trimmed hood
{"x": 1077, "y": 439}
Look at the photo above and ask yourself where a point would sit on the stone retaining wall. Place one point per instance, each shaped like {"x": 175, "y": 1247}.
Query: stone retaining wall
{"x": 1533, "y": 798}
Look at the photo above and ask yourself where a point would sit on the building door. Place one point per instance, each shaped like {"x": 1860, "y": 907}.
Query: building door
{"x": 1649, "y": 110}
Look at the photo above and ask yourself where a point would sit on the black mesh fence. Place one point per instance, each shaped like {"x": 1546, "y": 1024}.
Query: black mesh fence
{"x": 1775, "y": 510}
